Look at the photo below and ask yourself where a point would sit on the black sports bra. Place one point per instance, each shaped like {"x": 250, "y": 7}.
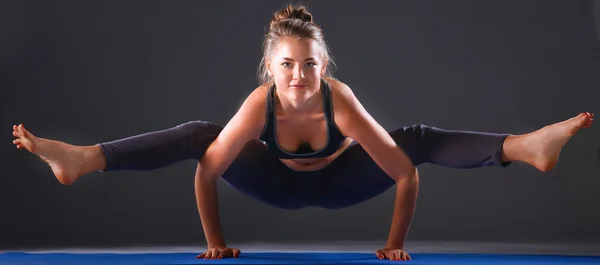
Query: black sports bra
{"x": 334, "y": 136}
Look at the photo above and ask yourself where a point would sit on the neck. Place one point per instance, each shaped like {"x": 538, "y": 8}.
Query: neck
{"x": 299, "y": 105}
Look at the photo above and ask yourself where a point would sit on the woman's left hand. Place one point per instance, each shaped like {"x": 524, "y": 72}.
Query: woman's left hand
{"x": 392, "y": 254}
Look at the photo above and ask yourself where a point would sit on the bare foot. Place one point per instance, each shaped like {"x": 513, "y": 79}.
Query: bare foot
{"x": 68, "y": 162}
{"x": 544, "y": 145}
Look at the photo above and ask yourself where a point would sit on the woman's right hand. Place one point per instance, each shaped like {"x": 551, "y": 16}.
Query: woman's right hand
{"x": 219, "y": 252}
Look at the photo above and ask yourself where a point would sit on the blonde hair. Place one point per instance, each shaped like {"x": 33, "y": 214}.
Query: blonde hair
{"x": 292, "y": 21}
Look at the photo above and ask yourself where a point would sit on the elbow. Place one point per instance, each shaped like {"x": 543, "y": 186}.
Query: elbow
{"x": 412, "y": 171}
{"x": 204, "y": 174}
{"x": 410, "y": 174}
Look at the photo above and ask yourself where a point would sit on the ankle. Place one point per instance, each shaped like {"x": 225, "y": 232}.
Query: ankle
{"x": 93, "y": 159}
{"x": 513, "y": 149}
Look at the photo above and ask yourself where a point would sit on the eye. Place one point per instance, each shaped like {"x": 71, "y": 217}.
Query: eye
{"x": 311, "y": 64}
{"x": 286, "y": 64}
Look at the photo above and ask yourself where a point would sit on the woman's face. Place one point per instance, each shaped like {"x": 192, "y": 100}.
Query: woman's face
{"x": 297, "y": 66}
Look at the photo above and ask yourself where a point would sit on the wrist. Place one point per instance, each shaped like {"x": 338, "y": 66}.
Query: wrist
{"x": 394, "y": 245}
{"x": 217, "y": 245}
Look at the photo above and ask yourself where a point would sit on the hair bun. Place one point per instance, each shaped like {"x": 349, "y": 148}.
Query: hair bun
{"x": 292, "y": 12}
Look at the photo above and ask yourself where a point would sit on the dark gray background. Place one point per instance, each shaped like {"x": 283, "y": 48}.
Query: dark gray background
{"x": 91, "y": 71}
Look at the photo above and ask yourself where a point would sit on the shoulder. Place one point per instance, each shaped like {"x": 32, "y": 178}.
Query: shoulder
{"x": 258, "y": 97}
{"x": 350, "y": 115}
{"x": 251, "y": 115}
{"x": 343, "y": 99}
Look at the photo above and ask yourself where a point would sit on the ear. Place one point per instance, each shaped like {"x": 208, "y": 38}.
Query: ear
{"x": 268, "y": 65}
{"x": 324, "y": 69}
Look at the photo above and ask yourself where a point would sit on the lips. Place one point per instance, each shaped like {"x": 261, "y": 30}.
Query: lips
{"x": 298, "y": 86}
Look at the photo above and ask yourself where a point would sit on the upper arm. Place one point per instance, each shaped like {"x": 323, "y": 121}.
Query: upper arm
{"x": 245, "y": 125}
{"x": 355, "y": 122}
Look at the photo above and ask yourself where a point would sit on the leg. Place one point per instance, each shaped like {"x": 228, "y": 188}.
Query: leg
{"x": 451, "y": 148}
{"x": 159, "y": 149}
{"x": 354, "y": 177}
{"x": 141, "y": 152}
{"x": 254, "y": 171}
{"x": 466, "y": 149}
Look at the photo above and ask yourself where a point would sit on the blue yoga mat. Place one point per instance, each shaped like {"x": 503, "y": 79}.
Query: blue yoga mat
{"x": 19, "y": 258}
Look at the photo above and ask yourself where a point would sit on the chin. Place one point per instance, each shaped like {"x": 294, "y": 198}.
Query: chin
{"x": 299, "y": 94}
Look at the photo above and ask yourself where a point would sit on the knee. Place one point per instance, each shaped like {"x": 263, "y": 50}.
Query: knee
{"x": 421, "y": 128}
{"x": 411, "y": 132}
{"x": 200, "y": 127}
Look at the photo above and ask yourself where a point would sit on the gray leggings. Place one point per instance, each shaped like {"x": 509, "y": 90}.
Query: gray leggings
{"x": 351, "y": 179}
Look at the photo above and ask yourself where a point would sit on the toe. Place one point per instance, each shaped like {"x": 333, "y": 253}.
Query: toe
{"x": 585, "y": 117}
{"x": 24, "y": 132}
{"x": 590, "y": 118}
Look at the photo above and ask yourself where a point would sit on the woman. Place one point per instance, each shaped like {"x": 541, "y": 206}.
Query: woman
{"x": 305, "y": 133}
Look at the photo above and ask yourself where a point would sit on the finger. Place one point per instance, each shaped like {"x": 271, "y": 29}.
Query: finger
{"x": 379, "y": 254}
{"x": 403, "y": 255}
{"x": 221, "y": 254}
{"x": 236, "y": 252}
{"x": 22, "y": 130}
{"x": 398, "y": 254}
{"x": 201, "y": 255}
{"x": 408, "y": 256}
{"x": 17, "y": 141}
{"x": 19, "y": 146}
{"x": 209, "y": 254}
{"x": 215, "y": 253}
{"x": 393, "y": 256}
{"x": 15, "y": 133}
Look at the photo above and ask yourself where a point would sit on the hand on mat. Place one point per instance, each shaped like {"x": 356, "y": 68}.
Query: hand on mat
{"x": 392, "y": 254}
{"x": 219, "y": 252}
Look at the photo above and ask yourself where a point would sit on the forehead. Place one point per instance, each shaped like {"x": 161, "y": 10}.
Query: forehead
{"x": 297, "y": 49}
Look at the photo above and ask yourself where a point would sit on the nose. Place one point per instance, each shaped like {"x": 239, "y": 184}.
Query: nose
{"x": 298, "y": 73}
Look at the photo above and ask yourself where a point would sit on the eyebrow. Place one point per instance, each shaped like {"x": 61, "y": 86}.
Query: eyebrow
{"x": 307, "y": 59}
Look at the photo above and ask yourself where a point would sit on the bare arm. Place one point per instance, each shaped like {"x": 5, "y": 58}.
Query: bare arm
{"x": 245, "y": 125}
{"x": 357, "y": 123}
{"x": 404, "y": 207}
